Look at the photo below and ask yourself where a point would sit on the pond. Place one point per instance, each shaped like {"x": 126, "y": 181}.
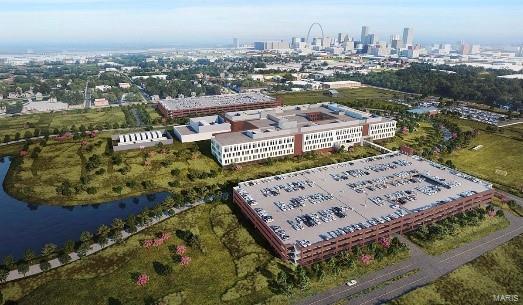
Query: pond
{"x": 30, "y": 226}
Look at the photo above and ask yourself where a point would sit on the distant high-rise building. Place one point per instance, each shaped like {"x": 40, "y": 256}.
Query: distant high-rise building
{"x": 371, "y": 39}
{"x": 298, "y": 43}
{"x": 271, "y": 45}
{"x": 236, "y": 43}
{"x": 364, "y": 33}
{"x": 408, "y": 37}
{"x": 475, "y": 49}
{"x": 342, "y": 37}
{"x": 395, "y": 41}
{"x": 464, "y": 49}
{"x": 327, "y": 41}
{"x": 394, "y": 37}
{"x": 348, "y": 45}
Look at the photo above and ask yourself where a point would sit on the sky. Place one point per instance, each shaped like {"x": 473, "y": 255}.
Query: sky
{"x": 34, "y": 23}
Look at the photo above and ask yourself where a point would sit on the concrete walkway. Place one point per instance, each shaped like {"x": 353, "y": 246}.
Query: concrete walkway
{"x": 430, "y": 269}
{"x": 95, "y": 247}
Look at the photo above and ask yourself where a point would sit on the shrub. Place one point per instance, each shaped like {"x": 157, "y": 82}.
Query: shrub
{"x": 64, "y": 258}
{"x": 45, "y": 265}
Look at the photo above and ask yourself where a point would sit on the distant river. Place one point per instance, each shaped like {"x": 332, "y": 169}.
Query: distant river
{"x": 24, "y": 225}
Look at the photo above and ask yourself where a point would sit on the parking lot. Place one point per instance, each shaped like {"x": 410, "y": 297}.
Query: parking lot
{"x": 322, "y": 203}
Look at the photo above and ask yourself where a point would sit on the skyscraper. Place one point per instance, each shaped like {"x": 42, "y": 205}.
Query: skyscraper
{"x": 395, "y": 41}
{"x": 364, "y": 33}
{"x": 408, "y": 37}
{"x": 342, "y": 37}
{"x": 371, "y": 39}
{"x": 236, "y": 43}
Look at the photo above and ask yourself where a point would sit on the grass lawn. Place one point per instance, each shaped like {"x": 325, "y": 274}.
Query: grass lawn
{"x": 232, "y": 267}
{"x": 365, "y": 97}
{"x": 422, "y": 137}
{"x": 36, "y": 180}
{"x": 462, "y": 236}
{"x": 499, "y": 160}
{"x": 498, "y": 272}
{"x": 65, "y": 119}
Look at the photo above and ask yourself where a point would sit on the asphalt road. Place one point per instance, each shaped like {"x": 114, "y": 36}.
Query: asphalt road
{"x": 429, "y": 268}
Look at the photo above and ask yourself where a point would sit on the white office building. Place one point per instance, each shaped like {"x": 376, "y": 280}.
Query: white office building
{"x": 294, "y": 130}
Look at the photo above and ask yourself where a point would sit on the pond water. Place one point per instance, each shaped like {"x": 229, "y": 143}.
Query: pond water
{"x": 24, "y": 225}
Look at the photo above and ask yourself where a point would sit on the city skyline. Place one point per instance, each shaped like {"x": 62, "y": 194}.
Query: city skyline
{"x": 157, "y": 22}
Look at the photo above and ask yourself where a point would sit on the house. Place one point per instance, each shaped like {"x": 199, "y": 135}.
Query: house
{"x": 101, "y": 102}
{"x": 103, "y": 88}
{"x": 39, "y": 96}
{"x": 124, "y": 85}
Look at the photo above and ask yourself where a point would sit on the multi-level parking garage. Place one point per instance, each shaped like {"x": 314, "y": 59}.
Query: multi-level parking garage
{"x": 310, "y": 215}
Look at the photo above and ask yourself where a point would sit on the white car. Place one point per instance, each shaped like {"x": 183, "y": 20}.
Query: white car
{"x": 351, "y": 283}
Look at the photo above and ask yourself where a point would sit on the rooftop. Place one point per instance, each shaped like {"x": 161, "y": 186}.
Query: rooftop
{"x": 317, "y": 204}
{"x": 215, "y": 101}
{"x": 287, "y": 120}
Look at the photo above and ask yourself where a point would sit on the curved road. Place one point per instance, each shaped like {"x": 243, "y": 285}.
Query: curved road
{"x": 429, "y": 268}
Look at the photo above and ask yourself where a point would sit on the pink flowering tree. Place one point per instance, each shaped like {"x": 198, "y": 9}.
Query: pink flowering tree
{"x": 366, "y": 259}
{"x": 185, "y": 261}
{"x": 164, "y": 236}
{"x": 142, "y": 280}
{"x": 384, "y": 242}
{"x": 156, "y": 242}
{"x": 180, "y": 250}
{"x": 148, "y": 243}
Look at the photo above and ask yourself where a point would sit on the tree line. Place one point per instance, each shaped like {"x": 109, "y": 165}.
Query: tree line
{"x": 458, "y": 82}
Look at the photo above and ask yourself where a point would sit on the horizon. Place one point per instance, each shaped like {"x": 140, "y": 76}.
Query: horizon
{"x": 68, "y": 24}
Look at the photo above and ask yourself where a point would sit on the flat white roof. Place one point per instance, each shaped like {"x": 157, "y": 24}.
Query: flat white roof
{"x": 215, "y": 101}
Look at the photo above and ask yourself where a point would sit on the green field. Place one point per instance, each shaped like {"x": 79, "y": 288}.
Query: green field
{"x": 231, "y": 267}
{"x": 462, "y": 235}
{"x": 58, "y": 120}
{"x": 498, "y": 272}
{"x": 499, "y": 160}
{"x": 36, "y": 179}
{"x": 358, "y": 97}
{"x": 424, "y": 136}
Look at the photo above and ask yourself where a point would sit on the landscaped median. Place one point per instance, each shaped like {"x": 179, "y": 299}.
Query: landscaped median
{"x": 459, "y": 229}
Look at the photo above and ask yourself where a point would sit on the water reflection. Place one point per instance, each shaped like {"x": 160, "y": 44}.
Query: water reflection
{"x": 26, "y": 225}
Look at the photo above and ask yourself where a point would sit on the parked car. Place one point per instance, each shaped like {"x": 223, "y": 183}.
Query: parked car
{"x": 351, "y": 283}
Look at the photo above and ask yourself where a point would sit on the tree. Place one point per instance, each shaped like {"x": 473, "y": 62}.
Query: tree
{"x": 118, "y": 189}
{"x": 23, "y": 268}
{"x": 118, "y": 224}
{"x": 102, "y": 233}
{"x": 301, "y": 278}
{"x": 4, "y": 273}
{"x": 68, "y": 246}
{"x": 82, "y": 249}
{"x": 86, "y": 238}
{"x": 500, "y": 213}
{"x": 9, "y": 262}
{"x": 45, "y": 265}
{"x": 64, "y": 258}
{"x": 48, "y": 250}
{"x": 29, "y": 256}
{"x": 281, "y": 283}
